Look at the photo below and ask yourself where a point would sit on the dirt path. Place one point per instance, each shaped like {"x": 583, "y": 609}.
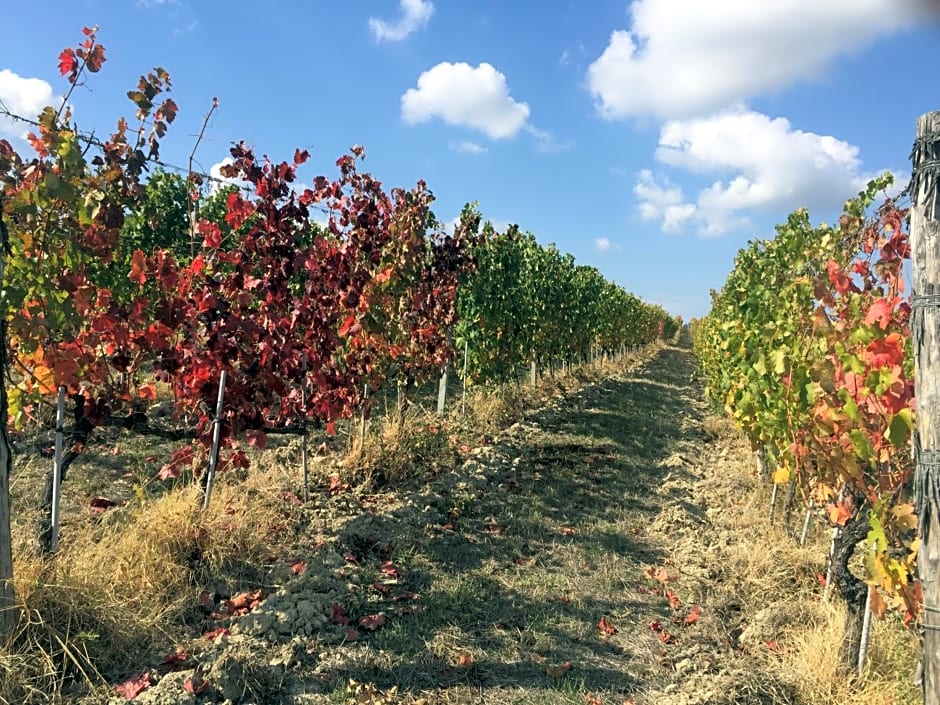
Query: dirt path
{"x": 565, "y": 563}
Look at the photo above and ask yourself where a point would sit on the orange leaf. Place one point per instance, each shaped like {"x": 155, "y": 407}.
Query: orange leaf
{"x": 693, "y": 616}
{"x": 465, "y": 660}
{"x": 372, "y": 621}
{"x": 606, "y": 627}
{"x": 674, "y": 601}
{"x": 138, "y": 273}
{"x": 559, "y": 670}
{"x": 147, "y": 391}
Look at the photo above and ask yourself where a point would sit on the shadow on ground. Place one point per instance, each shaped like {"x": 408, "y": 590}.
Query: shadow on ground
{"x": 514, "y": 580}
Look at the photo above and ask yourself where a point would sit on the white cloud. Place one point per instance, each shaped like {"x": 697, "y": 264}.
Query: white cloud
{"x": 679, "y": 58}
{"x": 604, "y": 244}
{"x": 22, "y": 96}
{"x": 460, "y": 94}
{"x": 660, "y": 199}
{"x": 415, "y": 14}
{"x": 545, "y": 141}
{"x": 770, "y": 168}
{"x": 467, "y": 147}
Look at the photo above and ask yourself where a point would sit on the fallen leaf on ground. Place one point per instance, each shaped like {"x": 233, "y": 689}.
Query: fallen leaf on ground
{"x": 133, "y": 686}
{"x": 372, "y": 621}
{"x": 559, "y": 670}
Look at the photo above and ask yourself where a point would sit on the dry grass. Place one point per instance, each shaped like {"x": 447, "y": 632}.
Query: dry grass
{"x": 124, "y": 587}
{"x": 775, "y": 581}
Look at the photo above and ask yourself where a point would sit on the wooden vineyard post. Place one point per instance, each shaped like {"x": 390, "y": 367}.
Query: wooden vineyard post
{"x": 216, "y": 434}
{"x": 925, "y": 334}
{"x": 57, "y": 468}
{"x": 303, "y": 445}
{"x": 533, "y": 374}
{"x": 362, "y": 415}
{"x": 807, "y": 520}
{"x": 8, "y": 617}
{"x": 463, "y": 393}
{"x": 442, "y": 393}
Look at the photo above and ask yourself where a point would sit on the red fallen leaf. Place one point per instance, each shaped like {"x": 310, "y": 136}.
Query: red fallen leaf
{"x": 292, "y": 498}
{"x": 350, "y": 558}
{"x": 606, "y": 627}
{"x": 590, "y": 699}
{"x": 400, "y": 597}
{"x": 336, "y": 486}
{"x": 298, "y": 567}
{"x": 372, "y": 621}
{"x": 772, "y": 645}
{"x": 447, "y": 527}
{"x": 389, "y": 569}
{"x": 352, "y": 634}
{"x": 559, "y": 670}
{"x": 101, "y": 504}
{"x": 658, "y": 574}
{"x": 465, "y": 660}
{"x": 665, "y": 637}
{"x": 567, "y": 531}
{"x": 674, "y": 601}
{"x": 195, "y": 685}
{"x": 133, "y": 686}
{"x": 244, "y": 602}
{"x": 821, "y": 578}
{"x": 338, "y": 614}
{"x": 172, "y": 660}
{"x": 214, "y": 634}
{"x": 693, "y": 616}
{"x": 381, "y": 588}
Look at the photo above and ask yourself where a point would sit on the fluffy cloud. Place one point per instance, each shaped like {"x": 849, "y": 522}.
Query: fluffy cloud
{"x": 681, "y": 59}
{"x": 773, "y": 168}
{"x": 415, "y": 14}
{"x": 467, "y": 147}
{"x": 460, "y": 94}
{"x": 604, "y": 244}
{"x": 21, "y": 96}
{"x": 662, "y": 200}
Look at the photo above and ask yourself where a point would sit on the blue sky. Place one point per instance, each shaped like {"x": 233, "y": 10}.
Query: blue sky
{"x": 650, "y": 139}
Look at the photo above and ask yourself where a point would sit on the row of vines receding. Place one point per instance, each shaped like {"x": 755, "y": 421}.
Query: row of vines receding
{"x": 807, "y": 348}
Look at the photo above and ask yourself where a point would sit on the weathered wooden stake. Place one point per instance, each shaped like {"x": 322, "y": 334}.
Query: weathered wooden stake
{"x": 463, "y": 393}
{"x": 362, "y": 415}
{"x": 925, "y": 333}
{"x": 57, "y": 468}
{"x": 442, "y": 393}
{"x": 806, "y": 522}
{"x": 303, "y": 445}
{"x": 866, "y": 630}
{"x": 216, "y": 435}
